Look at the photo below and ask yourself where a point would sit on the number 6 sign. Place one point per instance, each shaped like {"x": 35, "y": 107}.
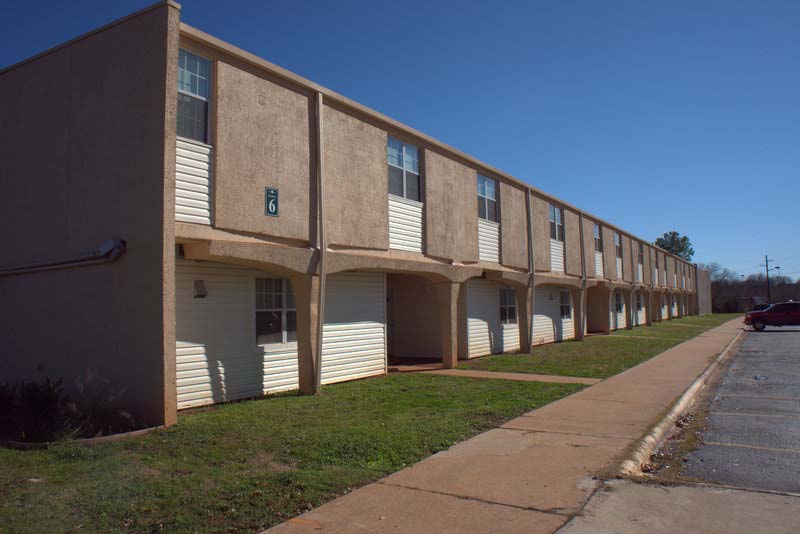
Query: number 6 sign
{"x": 271, "y": 201}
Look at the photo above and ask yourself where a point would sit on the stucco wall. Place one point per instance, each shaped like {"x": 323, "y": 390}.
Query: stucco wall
{"x": 263, "y": 139}
{"x": 513, "y": 227}
{"x": 82, "y": 160}
{"x": 413, "y": 313}
{"x": 572, "y": 243}
{"x": 451, "y": 209}
{"x": 588, "y": 246}
{"x": 541, "y": 233}
{"x": 356, "y": 181}
{"x": 627, "y": 261}
{"x": 610, "y": 253}
{"x": 647, "y": 266}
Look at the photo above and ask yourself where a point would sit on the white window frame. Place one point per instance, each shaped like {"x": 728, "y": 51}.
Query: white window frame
{"x": 618, "y": 244}
{"x": 286, "y": 290}
{"x": 565, "y": 305}
{"x": 641, "y": 254}
{"x": 206, "y": 99}
{"x": 484, "y": 198}
{"x": 403, "y": 147}
{"x": 619, "y": 304}
{"x": 557, "y": 222}
{"x": 511, "y": 296}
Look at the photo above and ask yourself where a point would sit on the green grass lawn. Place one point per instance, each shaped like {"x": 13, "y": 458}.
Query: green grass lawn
{"x": 601, "y": 356}
{"x": 245, "y": 466}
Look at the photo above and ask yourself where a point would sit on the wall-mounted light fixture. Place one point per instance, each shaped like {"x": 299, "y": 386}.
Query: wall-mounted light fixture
{"x": 200, "y": 289}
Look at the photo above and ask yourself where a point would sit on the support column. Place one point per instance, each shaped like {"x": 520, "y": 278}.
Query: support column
{"x": 524, "y": 306}
{"x": 447, "y": 294}
{"x": 631, "y": 309}
{"x": 306, "y": 290}
{"x": 577, "y": 311}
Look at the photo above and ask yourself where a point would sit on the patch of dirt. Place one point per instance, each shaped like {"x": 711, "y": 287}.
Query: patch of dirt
{"x": 267, "y": 461}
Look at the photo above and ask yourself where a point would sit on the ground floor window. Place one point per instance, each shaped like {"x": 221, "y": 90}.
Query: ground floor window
{"x": 508, "y": 306}
{"x": 566, "y": 305}
{"x": 276, "y": 316}
{"x": 638, "y": 301}
{"x": 619, "y": 302}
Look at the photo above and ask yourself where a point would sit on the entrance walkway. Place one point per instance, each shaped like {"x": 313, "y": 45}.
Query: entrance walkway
{"x": 534, "y": 472}
{"x": 522, "y": 377}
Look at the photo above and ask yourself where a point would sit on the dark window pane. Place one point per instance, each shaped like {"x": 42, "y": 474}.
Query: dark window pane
{"x": 395, "y": 181}
{"x": 481, "y": 207}
{"x": 268, "y": 327}
{"x": 412, "y": 186}
{"x": 491, "y": 210}
{"x": 503, "y": 314}
{"x": 291, "y": 326}
{"x": 553, "y": 231}
{"x": 192, "y": 118}
{"x": 512, "y": 315}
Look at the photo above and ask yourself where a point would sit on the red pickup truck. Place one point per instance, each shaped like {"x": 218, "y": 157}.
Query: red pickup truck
{"x": 780, "y": 314}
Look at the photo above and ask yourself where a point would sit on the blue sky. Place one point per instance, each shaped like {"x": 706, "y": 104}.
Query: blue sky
{"x": 656, "y": 116}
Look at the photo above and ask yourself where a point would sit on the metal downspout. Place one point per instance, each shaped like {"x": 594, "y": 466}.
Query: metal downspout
{"x": 322, "y": 246}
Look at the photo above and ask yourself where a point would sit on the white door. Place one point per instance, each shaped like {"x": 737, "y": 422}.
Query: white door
{"x": 354, "y": 335}
{"x": 217, "y": 357}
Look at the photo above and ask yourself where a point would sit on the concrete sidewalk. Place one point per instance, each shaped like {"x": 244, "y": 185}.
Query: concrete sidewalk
{"x": 533, "y": 473}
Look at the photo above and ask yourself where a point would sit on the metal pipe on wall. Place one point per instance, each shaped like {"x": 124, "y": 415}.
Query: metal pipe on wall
{"x": 322, "y": 245}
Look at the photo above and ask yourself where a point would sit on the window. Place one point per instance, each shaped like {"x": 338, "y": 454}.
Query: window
{"x": 487, "y": 199}
{"x": 194, "y": 74}
{"x": 556, "y": 223}
{"x": 508, "y": 306}
{"x": 638, "y": 301}
{"x": 276, "y": 316}
{"x": 403, "y": 160}
{"x": 618, "y": 244}
{"x": 656, "y": 260}
{"x": 641, "y": 254}
{"x": 566, "y": 305}
{"x": 620, "y": 305}
{"x": 598, "y": 238}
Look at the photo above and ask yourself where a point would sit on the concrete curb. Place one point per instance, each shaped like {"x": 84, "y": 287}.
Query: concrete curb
{"x": 653, "y": 440}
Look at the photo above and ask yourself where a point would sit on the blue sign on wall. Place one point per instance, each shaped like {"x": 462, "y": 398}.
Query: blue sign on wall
{"x": 271, "y": 201}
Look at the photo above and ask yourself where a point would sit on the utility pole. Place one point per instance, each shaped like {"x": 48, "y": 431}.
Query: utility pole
{"x": 766, "y": 266}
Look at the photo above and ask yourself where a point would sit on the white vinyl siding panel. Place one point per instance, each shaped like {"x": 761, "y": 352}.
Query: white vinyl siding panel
{"x": 548, "y": 326}
{"x": 674, "y": 306}
{"x": 354, "y": 334}
{"x": 619, "y": 267}
{"x": 639, "y": 273}
{"x": 655, "y": 276}
{"x": 598, "y": 265}
{"x": 556, "y": 256}
{"x": 485, "y": 334}
{"x": 664, "y": 308}
{"x": 193, "y": 182}
{"x": 617, "y": 320}
{"x": 405, "y": 224}
{"x": 217, "y": 357}
{"x": 488, "y": 241}
{"x": 639, "y": 316}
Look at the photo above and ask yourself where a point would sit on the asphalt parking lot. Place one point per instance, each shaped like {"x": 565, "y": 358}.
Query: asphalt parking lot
{"x": 753, "y": 432}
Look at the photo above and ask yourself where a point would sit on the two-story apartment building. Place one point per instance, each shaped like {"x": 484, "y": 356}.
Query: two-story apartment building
{"x": 256, "y": 232}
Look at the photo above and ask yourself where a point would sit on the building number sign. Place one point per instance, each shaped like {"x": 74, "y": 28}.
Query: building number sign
{"x": 271, "y": 201}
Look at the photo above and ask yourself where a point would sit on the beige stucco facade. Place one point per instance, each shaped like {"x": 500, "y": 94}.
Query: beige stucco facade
{"x": 327, "y": 156}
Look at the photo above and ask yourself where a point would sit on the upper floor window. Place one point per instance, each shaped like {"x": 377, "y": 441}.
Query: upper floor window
{"x": 656, "y": 260}
{"x": 276, "y": 315}
{"x": 508, "y": 306}
{"x": 618, "y": 244}
{"x": 403, "y": 160}
{"x": 487, "y": 198}
{"x": 556, "y": 223}
{"x": 194, "y": 75}
{"x": 566, "y": 305}
{"x": 598, "y": 238}
{"x": 641, "y": 254}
